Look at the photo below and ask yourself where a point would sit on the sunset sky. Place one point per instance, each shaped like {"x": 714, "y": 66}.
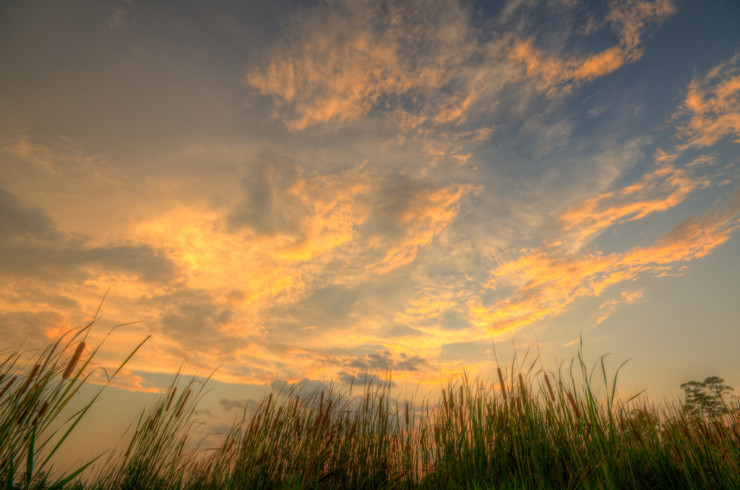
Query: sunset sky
{"x": 288, "y": 191}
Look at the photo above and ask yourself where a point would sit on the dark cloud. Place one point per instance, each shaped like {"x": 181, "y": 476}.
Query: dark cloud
{"x": 227, "y": 404}
{"x": 23, "y": 223}
{"x": 22, "y": 326}
{"x": 32, "y": 246}
{"x": 270, "y": 203}
{"x": 326, "y": 308}
{"x": 362, "y": 379}
{"x": 453, "y": 320}
{"x": 305, "y": 387}
{"x": 41, "y": 296}
{"x": 397, "y": 202}
{"x": 382, "y": 360}
{"x": 412, "y": 363}
{"x": 194, "y": 319}
{"x": 385, "y": 361}
{"x": 401, "y": 331}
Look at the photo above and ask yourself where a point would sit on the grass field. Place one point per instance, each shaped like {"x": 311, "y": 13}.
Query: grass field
{"x": 527, "y": 428}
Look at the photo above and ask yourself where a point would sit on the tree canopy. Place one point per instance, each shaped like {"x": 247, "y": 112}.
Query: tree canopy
{"x": 705, "y": 397}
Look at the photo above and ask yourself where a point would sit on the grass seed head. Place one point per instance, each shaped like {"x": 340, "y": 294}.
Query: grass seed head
{"x": 172, "y": 396}
{"x": 29, "y": 379}
{"x": 549, "y": 388}
{"x": 7, "y": 386}
{"x": 573, "y": 405}
{"x": 501, "y": 380}
{"x": 179, "y": 409}
{"x": 75, "y": 359}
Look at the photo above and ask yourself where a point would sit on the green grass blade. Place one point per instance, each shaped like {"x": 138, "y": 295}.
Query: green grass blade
{"x": 29, "y": 459}
{"x": 60, "y": 484}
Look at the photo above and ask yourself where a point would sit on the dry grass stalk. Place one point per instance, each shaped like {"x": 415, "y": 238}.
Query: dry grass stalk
{"x": 276, "y": 420}
{"x": 574, "y": 406}
{"x": 75, "y": 359}
{"x": 549, "y": 388}
{"x": 172, "y": 396}
{"x": 131, "y": 444}
{"x": 503, "y": 385}
{"x": 519, "y": 407}
{"x": 41, "y": 412}
{"x": 29, "y": 379}
{"x": 179, "y": 410}
{"x": 7, "y": 386}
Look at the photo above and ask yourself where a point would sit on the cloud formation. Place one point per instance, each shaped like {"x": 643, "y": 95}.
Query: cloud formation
{"x": 711, "y": 110}
{"x": 661, "y": 188}
{"x": 407, "y": 178}
{"x": 31, "y": 245}
{"x": 425, "y": 62}
{"x": 546, "y": 280}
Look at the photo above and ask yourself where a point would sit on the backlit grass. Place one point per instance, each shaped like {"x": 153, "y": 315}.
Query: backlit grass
{"x": 527, "y": 428}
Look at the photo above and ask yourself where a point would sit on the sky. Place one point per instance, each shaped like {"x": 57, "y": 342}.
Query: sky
{"x": 302, "y": 192}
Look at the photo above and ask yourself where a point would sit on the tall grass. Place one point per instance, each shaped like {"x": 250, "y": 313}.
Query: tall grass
{"x": 527, "y": 428}
{"x": 33, "y": 394}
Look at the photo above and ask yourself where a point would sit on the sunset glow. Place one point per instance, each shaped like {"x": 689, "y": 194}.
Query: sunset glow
{"x": 286, "y": 191}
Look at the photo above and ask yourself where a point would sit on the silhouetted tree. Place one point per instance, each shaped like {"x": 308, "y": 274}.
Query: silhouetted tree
{"x": 705, "y": 397}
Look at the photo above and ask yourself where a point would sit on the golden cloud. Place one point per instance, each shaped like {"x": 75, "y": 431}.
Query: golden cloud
{"x": 557, "y": 72}
{"x": 421, "y": 61}
{"x": 547, "y": 281}
{"x": 712, "y": 107}
{"x": 658, "y": 190}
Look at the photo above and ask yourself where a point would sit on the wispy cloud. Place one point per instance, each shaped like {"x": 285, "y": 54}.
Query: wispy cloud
{"x": 425, "y": 63}
{"x": 660, "y": 189}
{"x": 608, "y": 307}
{"x": 711, "y": 110}
{"x": 407, "y": 177}
{"x": 546, "y": 280}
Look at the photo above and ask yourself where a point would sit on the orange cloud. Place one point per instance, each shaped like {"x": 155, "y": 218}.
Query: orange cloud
{"x": 421, "y": 62}
{"x": 124, "y": 380}
{"x": 712, "y": 107}
{"x": 660, "y": 189}
{"x": 365, "y": 63}
{"x": 338, "y": 230}
{"x": 557, "y": 72}
{"x": 631, "y": 18}
{"x": 546, "y": 281}
{"x": 431, "y": 211}
{"x": 609, "y": 306}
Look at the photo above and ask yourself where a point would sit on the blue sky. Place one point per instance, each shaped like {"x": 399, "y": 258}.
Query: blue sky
{"x": 317, "y": 190}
